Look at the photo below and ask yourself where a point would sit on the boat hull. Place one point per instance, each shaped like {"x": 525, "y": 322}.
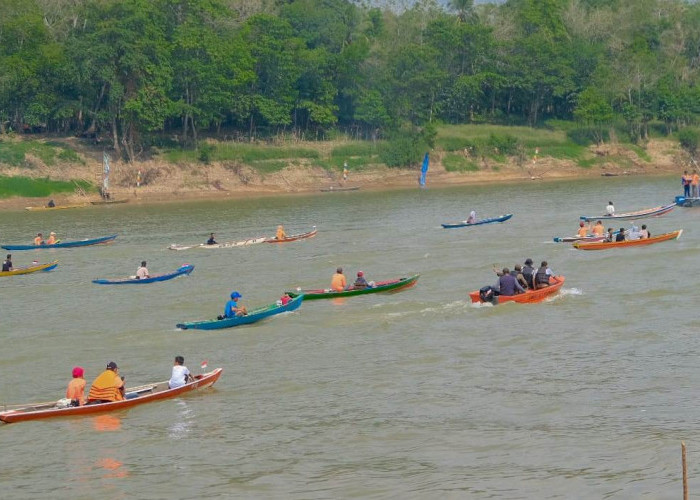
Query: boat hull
{"x": 186, "y": 269}
{"x": 227, "y": 244}
{"x": 60, "y": 207}
{"x": 529, "y": 297}
{"x": 139, "y": 395}
{"x": 66, "y": 244}
{"x": 294, "y": 237}
{"x": 30, "y": 269}
{"x": 481, "y": 222}
{"x": 252, "y": 317}
{"x": 640, "y": 214}
{"x": 332, "y": 189}
{"x": 382, "y": 286}
{"x": 571, "y": 239}
{"x": 629, "y": 243}
{"x": 682, "y": 201}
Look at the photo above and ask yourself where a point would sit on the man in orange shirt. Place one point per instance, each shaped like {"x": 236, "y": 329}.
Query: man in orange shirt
{"x": 338, "y": 282}
{"x": 695, "y": 180}
{"x": 76, "y": 388}
{"x": 108, "y": 386}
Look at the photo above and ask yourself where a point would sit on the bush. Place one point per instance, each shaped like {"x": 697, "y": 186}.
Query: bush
{"x": 689, "y": 139}
{"x": 585, "y": 136}
{"x": 505, "y": 144}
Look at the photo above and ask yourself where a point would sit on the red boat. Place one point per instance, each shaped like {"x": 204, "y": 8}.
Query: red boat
{"x": 293, "y": 237}
{"x": 529, "y": 296}
{"x": 134, "y": 396}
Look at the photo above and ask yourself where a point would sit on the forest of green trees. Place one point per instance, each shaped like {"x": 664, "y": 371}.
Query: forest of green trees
{"x": 140, "y": 72}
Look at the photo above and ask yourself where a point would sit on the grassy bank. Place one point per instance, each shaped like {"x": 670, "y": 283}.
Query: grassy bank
{"x": 17, "y": 153}
{"x": 39, "y": 188}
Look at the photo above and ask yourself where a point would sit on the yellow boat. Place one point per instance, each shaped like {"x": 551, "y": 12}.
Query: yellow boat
{"x": 30, "y": 269}
{"x": 58, "y": 207}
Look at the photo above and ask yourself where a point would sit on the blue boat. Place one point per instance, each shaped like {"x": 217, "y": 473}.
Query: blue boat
{"x": 502, "y": 218}
{"x": 251, "y": 317}
{"x": 64, "y": 244}
{"x": 639, "y": 214}
{"x": 184, "y": 269}
{"x": 682, "y": 201}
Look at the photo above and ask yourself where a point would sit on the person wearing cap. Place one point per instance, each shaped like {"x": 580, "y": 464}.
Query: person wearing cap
{"x": 76, "y": 388}
{"x": 108, "y": 386}
{"x": 180, "y": 374}
{"x": 582, "y": 230}
{"x": 39, "y": 240}
{"x": 338, "y": 281}
{"x": 211, "y": 240}
{"x": 360, "y": 281}
{"x": 232, "y": 308}
{"x": 7, "y": 264}
{"x": 620, "y": 235}
{"x": 52, "y": 239}
{"x": 610, "y": 209}
{"x": 598, "y": 229}
{"x": 529, "y": 274}
{"x": 142, "y": 271}
{"x": 280, "y": 233}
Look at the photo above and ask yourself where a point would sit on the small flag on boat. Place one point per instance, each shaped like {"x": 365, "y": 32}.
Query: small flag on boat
{"x": 205, "y": 364}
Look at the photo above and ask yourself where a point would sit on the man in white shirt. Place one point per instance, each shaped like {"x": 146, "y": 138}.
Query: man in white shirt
{"x": 142, "y": 272}
{"x": 181, "y": 375}
{"x": 610, "y": 209}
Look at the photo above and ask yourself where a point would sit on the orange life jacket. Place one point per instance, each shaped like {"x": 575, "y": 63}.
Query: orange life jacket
{"x": 106, "y": 387}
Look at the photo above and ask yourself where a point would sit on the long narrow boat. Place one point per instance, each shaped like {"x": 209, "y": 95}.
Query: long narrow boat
{"x": 134, "y": 396}
{"x": 65, "y": 244}
{"x": 380, "y": 286}
{"x": 639, "y": 214}
{"x": 293, "y": 237}
{"x": 502, "y": 218}
{"x": 682, "y": 201}
{"x": 604, "y": 245}
{"x": 529, "y": 297}
{"x": 58, "y": 207}
{"x": 335, "y": 189}
{"x": 227, "y": 244}
{"x": 184, "y": 269}
{"x": 252, "y": 317}
{"x": 30, "y": 269}
{"x": 571, "y": 239}
{"x": 108, "y": 202}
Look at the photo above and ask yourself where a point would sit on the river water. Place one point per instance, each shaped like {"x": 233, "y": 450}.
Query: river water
{"x": 418, "y": 394}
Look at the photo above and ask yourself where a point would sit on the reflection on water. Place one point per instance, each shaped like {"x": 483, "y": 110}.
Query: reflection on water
{"x": 417, "y": 394}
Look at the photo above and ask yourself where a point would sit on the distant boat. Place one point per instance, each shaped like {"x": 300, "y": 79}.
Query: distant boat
{"x": 182, "y": 270}
{"x": 58, "y": 207}
{"x": 604, "y": 245}
{"x": 30, "y": 269}
{"x": 293, "y": 237}
{"x": 108, "y": 202}
{"x": 502, "y": 218}
{"x": 682, "y": 201}
{"x": 227, "y": 244}
{"x": 639, "y": 214}
{"x": 333, "y": 189}
{"x": 65, "y": 244}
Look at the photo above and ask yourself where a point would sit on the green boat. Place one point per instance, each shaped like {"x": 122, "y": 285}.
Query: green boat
{"x": 379, "y": 286}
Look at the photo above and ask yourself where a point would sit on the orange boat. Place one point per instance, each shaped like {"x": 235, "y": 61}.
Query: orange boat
{"x": 604, "y": 245}
{"x": 529, "y": 297}
{"x": 134, "y": 396}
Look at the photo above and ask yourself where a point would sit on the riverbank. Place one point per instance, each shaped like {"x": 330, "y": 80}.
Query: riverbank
{"x": 162, "y": 181}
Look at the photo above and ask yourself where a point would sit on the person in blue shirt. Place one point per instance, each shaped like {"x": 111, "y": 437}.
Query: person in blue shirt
{"x": 232, "y": 308}
{"x": 211, "y": 240}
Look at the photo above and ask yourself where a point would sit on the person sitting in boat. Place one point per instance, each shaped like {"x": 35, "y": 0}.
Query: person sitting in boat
{"x": 598, "y": 229}
{"x": 211, "y": 240}
{"x": 284, "y": 300}
{"x": 51, "y": 204}
{"x": 507, "y": 284}
{"x": 542, "y": 275}
{"x": 52, "y": 239}
{"x": 180, "y": 374}
{"x": 39, "y": 240}
{"x": 108, "y": 386}
{"x": 338, "y": 281}
{"x": 517, "y": 273}
{"x": 280, "y": 233}
{"x": 529, "y": 273}
{"x": 634, "y": 233}
{"x": 142, "y": 271}
{"x": 472, "y": 217}
{"x": 232, "y": 308}
{"x": 610, "y": 209}
{"x": 620, "y": 235}
{"x": 7, "y": 264}
{"x": 360, "y": 281}
{"x": 76, "y": 387}
{"x": 610, "y": 236}
{"x": 582, "y": 230}
{"x": 644, "y": 233}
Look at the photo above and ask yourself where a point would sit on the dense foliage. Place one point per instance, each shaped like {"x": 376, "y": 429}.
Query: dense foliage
{"x": 142, "y": 72}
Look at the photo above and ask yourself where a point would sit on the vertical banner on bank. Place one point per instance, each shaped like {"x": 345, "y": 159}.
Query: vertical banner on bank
{"x": 105, "y": 171}
{"x": 424, "y": 170}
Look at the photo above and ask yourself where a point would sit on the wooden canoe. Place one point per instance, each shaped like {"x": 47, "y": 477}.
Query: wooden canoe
{"x": 182, "y": 270}
{"x": 65, "y": 244}
{"x": 571, "y": 239}
{"x": 293, "y": 237}
{"x": 58, "y": 207}
{"x": 603, "y": 245}
{"x": 639, "y": 214}
{"x": 491, "y": 220}
{"x": 335, "y": 189}
{"x": 30, "y": 269}
{"x": 529, "y": 297}
{"x": 227, "y": 244}
{"x": 252, "y": 317}
{"x": 134, "y": 396}
{"x": 380, "y": 286}
{"x": 108, "y": 202}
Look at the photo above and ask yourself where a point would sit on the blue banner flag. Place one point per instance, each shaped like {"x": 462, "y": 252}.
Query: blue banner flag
{"x": 424, "y": 170}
